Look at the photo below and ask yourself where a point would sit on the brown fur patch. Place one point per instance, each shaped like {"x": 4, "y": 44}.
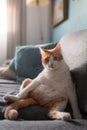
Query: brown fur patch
{"x": 55, "y": 52}
{"x": 53, "y": 103}
{"x": 53, "y": 114}
{"x": 40, "y": 100}
{"x": 45, "y": 55}
{"x": 19, "y": 104}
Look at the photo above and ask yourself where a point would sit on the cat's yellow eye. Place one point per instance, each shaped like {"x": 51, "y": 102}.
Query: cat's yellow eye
{"x": 47, "y": 59}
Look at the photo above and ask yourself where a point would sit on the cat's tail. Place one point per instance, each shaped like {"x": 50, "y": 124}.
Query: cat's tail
{"x": 11, "y": 112}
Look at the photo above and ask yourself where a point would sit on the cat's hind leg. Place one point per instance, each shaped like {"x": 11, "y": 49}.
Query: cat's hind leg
{"x": 56, "y": 111}
{"x": 58, "y": 115}
{"x": 11, "y": 112}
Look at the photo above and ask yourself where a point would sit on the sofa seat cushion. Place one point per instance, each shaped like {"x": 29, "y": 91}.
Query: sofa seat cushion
{"x": 43, "y": 125}
{"x": 74, "y": 50}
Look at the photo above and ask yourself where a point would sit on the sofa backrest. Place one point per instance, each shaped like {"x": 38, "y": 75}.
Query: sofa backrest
{"x": 74, "y": 50}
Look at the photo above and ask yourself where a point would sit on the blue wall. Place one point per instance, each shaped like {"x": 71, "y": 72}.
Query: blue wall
{"x": 77, "y": 19}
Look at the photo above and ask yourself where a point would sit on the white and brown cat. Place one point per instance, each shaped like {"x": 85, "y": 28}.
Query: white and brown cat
{"x": 52, "y": 88}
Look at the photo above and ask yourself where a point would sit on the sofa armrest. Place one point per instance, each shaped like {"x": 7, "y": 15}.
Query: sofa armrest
{"x": 7, "y": 73}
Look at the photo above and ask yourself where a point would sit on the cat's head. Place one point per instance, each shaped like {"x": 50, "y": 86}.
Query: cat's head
{"x": 51, "y": 57}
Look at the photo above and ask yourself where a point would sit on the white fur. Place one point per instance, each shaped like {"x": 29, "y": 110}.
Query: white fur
{"x": 12, "y": 115}
{"x": 8, "y": 98}
{"x": 63, "y": 116}
{"x": 54, "y": 81}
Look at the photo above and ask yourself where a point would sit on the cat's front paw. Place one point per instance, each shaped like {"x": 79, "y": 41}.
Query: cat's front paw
{"x": 10, "y": 98}
{"x": 66, "y": 117}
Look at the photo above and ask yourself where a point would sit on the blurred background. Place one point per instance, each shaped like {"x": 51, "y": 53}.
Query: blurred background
{"x": 26, "y": 22}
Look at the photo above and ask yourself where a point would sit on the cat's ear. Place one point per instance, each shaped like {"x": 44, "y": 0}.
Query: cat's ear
{"x": 58, "y": 47}
{"x": 42, "y": 51}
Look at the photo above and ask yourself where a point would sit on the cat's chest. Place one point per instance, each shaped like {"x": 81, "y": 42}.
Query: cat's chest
{"x": 52, "y": 78}
{"x": 51, "y": 83}
{"x": 51, "y": 86}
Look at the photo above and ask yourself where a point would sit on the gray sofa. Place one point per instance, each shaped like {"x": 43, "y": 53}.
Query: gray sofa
{"x": 74, "y": 50}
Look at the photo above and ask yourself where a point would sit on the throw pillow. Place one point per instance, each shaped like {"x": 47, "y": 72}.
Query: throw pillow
{"x": 28, "y": 60}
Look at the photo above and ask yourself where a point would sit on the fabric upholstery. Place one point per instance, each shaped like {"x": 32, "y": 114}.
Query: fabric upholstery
{"x": 12, "y": 64}
{"x": 74, "y": 50}
{"x": 43, "y": 125}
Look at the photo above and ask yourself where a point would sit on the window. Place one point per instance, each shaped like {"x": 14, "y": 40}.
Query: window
{"x": 3, "y": 30}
